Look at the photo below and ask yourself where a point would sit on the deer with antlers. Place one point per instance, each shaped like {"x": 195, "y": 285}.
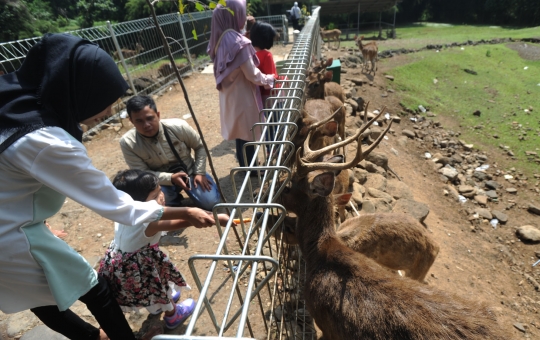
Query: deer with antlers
{"x": 331, "y": 35}
{"x": 369, "y": 52}
{"x": 348, "y": 294}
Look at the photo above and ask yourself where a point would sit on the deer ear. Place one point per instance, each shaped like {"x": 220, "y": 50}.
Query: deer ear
{"x": 343, "y": 199}
{"x": 323, "y": 184}
{"x": 328, "y": 75}
{"x": 330, "y": 129}
{"x": 329, "y": 62}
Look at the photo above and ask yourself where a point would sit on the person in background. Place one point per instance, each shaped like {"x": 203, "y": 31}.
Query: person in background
{"x": 64, "y": 81}
{"x": 296, "y": 14}
{"x": 163, "y": 147}
{"x": 250, "y": 21}
{"x": 237, "y": 78}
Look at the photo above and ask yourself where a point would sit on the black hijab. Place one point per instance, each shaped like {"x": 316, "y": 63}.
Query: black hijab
{"x": 63, "y": 81}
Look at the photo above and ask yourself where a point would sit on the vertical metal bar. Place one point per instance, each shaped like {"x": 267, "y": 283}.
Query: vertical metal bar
{"x": 394, "y": 25}
{"x": 188, "y": 53}
{"x": 121, "y": 57}
{"x": 380, "y": 25}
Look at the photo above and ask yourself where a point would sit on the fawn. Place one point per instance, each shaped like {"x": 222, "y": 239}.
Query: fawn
{"x": 369, "y": 52}
{"x": 348, "y": 294}
{"x": 331, "y": 35}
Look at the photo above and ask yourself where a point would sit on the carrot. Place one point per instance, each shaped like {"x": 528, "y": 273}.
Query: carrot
{"x": 237, "y": 220}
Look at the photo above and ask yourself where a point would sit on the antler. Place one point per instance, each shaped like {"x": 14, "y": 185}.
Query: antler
{"x": 310, "y": 155}
{"x": 324, "y": 121}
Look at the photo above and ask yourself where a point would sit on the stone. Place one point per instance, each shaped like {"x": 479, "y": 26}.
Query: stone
{"x": 453, "y": 192}
{"x": 352, "y": 103}
{"x": 42, "y": 332}
{"x": 480, "y": 175}
{"x": 373, "y": 168}
{"x": 492, "y": 194}
{"x": 492, "y": 185}
{"x": 481, "y": 199}
{"x": 358, "y": 193}
{"x": 20, "y": 322}
{"x": 417, "y": 209}
{"x": 520, "y": 327}
{"x": 382, "y": 205}
{"x": 379, "y": 194}
{"x": 483, "y": 213}
{"x": 533, "y": 210}
{"x": 463, "y": 189}
{"x": 368, "y": 207}
{"x": 408, "y": 133}
{"x": 378, "y": 158}
{"x": 528, "y": 233}
{"x": 403, "y": 140}
{"x": 511, "y": 190}
{"x": 398, "y": 189}
{"x": 376, "y": 181}
{"x": 449, "y": 173}
{"x": 502, "y": 217}
{"x": 360, "y": 175}
{"x": 389, "y": 77}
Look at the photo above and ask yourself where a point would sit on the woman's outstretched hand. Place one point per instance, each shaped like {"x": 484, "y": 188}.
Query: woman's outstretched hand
{"x": 200, "y": 218}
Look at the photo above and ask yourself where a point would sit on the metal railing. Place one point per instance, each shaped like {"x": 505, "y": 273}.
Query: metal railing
{"x": 263, "y": 278}
{"x": 138, "y": 51}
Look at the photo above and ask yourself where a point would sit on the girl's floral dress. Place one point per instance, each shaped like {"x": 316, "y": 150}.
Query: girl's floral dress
{"x": 141, "y": 278}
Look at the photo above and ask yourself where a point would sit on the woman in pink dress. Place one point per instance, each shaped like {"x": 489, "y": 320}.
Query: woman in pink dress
{"x": 237, "y": 78}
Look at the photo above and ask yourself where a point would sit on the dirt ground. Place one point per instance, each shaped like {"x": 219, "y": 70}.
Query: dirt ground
{"x": 487, "y": 265}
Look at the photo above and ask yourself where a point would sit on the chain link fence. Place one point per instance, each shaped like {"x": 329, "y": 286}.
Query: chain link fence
{"x": 138, "y": 51}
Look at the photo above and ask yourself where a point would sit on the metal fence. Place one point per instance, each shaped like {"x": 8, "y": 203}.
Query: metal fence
{"x": 253, "y": 270}
{"x": 138, "y": 50}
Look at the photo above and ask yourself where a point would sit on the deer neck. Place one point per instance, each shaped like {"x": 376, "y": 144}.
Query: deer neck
{"x": 315, "y": 226}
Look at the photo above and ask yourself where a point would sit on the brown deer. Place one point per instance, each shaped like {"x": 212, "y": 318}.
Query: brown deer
{"x": 167, "y": 69}
{"x": 369, "y": 52}
{"x": 331, "y": 35}
{"x": 127, "y": 54}
{"x": 393, "y": 240}
{"x": 348, "y": 294}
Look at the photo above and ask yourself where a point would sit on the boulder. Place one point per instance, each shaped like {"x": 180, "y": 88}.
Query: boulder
{"x": 528, "y": 233}
{"x": 417, "y": 209}
{"x": 376, "y": 181}
{"x": 398, "y": 189}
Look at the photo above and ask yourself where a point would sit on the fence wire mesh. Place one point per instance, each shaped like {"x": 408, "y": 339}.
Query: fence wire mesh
{"x": 260, "y": 275}
{"x": 138, "y": 51}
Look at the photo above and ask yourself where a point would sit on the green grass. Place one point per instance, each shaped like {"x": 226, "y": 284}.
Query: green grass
{"x": 501, "y": 91}
{"x": 419, "y": 35}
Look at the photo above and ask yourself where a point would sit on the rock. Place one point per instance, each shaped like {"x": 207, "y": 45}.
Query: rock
{"x": 480, "y": 175}
{"x": 402, "y": 141}
{"x": 373, "y": 168}
{"x": 481, "y": 199}
{"x": 398, "y": 189}
{"x": 389, "y": 77}
{"x": 533, "y": 210}
{"x": 453, "y": 192}
{"x": 352, "y": 103}
{"x": 379, "y": 194}
{"x": 378, "y": 158}
{"x": 408, "y": 133}
{"x": 382, "y": 205}
{"x": 449, "y": 173}
{"x": 411, "y": 207}
{"x": 42, "y": 332}
{"x": 528, "y": 233}
{"x": 368, "y": 207}
{"x": 511, "y": 190}
{"x": 483, "y": 213}
{"x": 20, "y": 322}
{"x": 520, "y": 327}
{"x": 502, "y": 217}
{"x": 463, "y": 189}
{"x": 477, "y": 113}
{"x": 470, "y": 71}
{"x": 360, "y": 175}
{"x": 358, "y": 193}
{"x": 492, "y": 185}
{"x": 445, "y": 160}
{"x": 376, "y": 181}
{"x": 492, "y": 194}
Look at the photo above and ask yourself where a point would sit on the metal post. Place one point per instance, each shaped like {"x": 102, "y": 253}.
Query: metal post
{"x": 394, "y": 26}
{"x": 186, "y": 47}
{"x": 121, "y": 56}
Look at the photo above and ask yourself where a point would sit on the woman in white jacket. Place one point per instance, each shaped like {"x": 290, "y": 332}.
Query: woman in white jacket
{"x": 63, "y": 81}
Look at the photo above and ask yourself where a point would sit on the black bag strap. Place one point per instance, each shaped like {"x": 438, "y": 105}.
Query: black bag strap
{"x": 173, "y": 148}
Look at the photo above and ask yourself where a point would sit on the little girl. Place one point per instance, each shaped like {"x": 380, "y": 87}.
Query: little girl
{"x": 138, "y": 272}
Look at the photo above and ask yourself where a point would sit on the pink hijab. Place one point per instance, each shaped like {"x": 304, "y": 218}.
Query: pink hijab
{"x": 234, "y": 49}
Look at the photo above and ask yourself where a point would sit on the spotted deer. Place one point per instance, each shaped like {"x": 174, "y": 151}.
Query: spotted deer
{"x": 348, "y": 294}
{"x": 369, "y": 52}
{"x": 331, "y": 35}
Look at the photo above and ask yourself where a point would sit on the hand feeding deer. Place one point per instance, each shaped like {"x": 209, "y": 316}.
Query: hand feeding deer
{"x": 348, "y": 294}
{"x": 369, "y": 52}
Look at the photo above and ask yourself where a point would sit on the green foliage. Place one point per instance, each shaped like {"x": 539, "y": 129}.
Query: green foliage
{"x": 92, "y": 10}
{"x": 458, "y": 94}
{"x": 256, "y": 8}
{"x": 16, "y": 20}
{"x": 330, "y": 26}
{"x": 488, "y": 53}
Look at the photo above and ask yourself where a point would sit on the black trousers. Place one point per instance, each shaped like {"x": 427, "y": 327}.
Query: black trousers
{"x": 101, "y": 304}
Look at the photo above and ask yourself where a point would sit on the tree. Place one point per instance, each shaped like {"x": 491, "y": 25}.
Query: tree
{"x": 15, "y": 18}
{"x": 92, "y": 10}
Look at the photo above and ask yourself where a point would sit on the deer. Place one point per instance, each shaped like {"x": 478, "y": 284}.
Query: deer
{"x": 347, "y": 293}
{"x": 394, "y": 240}
{"x": 130, "y": 53}
{"x": 331, "y": 35}
{"x": 167, "y": 69}
{"x": 369, "y": 52}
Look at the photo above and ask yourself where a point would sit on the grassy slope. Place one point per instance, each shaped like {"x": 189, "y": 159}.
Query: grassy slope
{"x": 502, "y": 79}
